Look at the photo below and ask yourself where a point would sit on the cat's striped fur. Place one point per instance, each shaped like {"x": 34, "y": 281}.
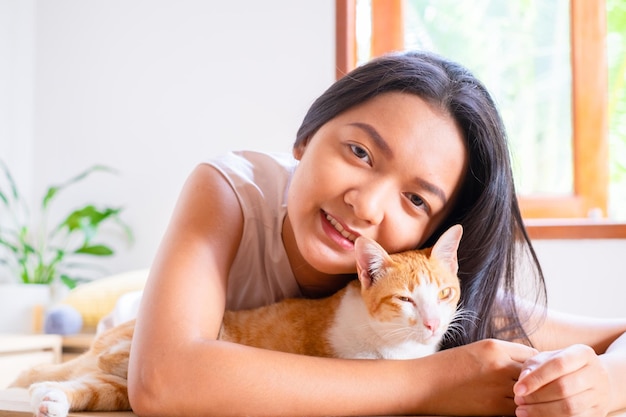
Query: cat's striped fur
{"x": 399, "y": 308}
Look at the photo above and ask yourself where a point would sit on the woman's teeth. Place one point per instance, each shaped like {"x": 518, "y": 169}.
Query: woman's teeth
{"x": 340, "y": 229}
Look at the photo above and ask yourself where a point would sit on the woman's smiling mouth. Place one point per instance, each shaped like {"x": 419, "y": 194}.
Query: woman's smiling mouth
{"x": 340, "y": 228}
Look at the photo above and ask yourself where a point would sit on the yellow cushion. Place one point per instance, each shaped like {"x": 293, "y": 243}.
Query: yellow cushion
{"x": 96, "y": 299}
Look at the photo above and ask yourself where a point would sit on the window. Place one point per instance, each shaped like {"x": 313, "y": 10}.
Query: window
{"x": 576, "y": 120}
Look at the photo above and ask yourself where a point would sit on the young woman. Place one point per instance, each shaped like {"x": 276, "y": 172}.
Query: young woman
{"x": 398, "y": 150}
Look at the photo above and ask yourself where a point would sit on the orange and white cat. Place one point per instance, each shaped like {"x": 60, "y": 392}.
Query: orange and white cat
{"x": 399, "y": 308}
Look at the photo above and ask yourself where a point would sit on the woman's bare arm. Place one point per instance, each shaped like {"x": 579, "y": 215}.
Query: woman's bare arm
{"x": 178, "y": 367}
{"x": 615, "y": 360}
{"x": 560, "y": 330}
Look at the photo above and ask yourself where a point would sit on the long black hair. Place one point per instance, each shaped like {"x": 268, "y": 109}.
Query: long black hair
{"x": 494, "y": 238}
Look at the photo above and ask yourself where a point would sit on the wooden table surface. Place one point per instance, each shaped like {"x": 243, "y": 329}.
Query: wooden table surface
{"x": 14, "y": 402}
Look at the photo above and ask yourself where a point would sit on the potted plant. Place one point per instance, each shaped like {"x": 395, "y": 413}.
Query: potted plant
{"x": 32, "y": 252}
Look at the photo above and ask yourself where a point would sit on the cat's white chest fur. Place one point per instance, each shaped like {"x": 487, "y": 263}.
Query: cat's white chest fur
{"x": 353, "y": 334}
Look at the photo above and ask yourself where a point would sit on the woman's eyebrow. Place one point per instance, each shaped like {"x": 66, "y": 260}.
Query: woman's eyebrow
{"x": 433, "y": 189}
{"x": 380, "y": 143}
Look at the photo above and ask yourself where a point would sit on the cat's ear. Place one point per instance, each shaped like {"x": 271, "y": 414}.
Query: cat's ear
{"x": 370, "y": 259}
{"x": 445, "y": 250}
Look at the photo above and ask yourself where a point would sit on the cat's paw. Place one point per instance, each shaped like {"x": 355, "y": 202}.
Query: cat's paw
{"x": 48, "y": 401}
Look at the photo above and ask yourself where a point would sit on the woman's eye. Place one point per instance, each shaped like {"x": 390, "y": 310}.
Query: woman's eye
{"x": 360, "y": 153}
{"x": 416, "y": 200}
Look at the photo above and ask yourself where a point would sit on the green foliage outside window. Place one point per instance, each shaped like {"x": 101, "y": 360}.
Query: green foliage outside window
{"x": 521, "y": 51}
{"x": 616, "y": 43}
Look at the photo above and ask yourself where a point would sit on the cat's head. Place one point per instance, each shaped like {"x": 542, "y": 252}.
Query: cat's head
{"x": 411, "y": 295}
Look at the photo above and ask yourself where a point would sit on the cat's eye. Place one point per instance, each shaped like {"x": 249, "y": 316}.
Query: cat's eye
{"x": 361, "y": 153}
{"x": 404, "y": 299}
{"x": 445, "y": 293}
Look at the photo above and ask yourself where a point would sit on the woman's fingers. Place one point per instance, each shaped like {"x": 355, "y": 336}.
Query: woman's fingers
{"x": 569, "y": 382}
{"x": 546, "y": 367}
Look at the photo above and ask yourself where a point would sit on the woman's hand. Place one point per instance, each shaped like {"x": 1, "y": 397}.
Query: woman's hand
{"x": 478, "y": 378}
{"x": 569, "y": 382}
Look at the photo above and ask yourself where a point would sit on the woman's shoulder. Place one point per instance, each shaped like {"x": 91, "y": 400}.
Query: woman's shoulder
{"x": 257, "y": 176}
{"x": 260, "y": 272}
{"x": 249, "y": 162}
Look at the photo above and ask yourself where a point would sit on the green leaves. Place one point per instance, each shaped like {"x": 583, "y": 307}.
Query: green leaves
{"x": 7, "y": 174}
{"x": 36, "y": 254}
{"x": 616, "y": 49}
{"x": 97, "y": 250}
{"x": 88, "y": 218}
{"x": 53, "y": 190}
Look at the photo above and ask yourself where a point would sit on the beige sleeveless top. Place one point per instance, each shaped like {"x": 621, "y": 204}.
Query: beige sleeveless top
{"x": 260, "y": 273}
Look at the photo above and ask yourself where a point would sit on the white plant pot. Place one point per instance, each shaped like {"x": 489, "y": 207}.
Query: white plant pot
{"x": 22, "y": 307}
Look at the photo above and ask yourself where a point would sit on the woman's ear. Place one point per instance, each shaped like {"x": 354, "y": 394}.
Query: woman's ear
{"x": 298, "y": 149}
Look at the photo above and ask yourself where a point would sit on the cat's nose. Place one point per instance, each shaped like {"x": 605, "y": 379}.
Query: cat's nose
{"x": 431, "y": 324}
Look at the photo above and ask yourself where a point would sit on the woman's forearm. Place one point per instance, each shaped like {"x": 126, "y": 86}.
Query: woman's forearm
{"x": 615, "y": 363}
{"x": 219, "y": 378}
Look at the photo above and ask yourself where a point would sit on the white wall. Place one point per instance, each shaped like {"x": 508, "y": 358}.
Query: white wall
{"x": 585, "y": 276}
{"x": 17, "y": 55}
{"x": 152, "y": 87}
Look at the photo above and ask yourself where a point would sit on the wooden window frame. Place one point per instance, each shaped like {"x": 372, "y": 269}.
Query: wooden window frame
{"x": 546, "y": 217}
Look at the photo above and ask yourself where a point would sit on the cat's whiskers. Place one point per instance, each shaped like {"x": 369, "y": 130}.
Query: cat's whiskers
{"x": 389, "y": 330}
{"x": 401, "y": 332}
{"x": 463, "y": 314}
{"x": 456, "y": 330}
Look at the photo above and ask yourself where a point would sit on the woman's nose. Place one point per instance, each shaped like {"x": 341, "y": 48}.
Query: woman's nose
{"x": 369, "y": 202}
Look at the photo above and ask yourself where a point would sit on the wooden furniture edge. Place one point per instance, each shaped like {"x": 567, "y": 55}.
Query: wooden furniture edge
{"x": 574, "y": 229}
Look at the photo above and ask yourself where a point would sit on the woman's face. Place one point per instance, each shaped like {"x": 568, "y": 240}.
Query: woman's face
{"x": 388, "y": 169}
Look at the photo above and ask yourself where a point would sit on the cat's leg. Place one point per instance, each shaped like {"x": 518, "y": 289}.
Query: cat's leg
{"x": 46, "y": 372}
{"x": 48, "y": 401}
{"x": 87, "y": 393}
